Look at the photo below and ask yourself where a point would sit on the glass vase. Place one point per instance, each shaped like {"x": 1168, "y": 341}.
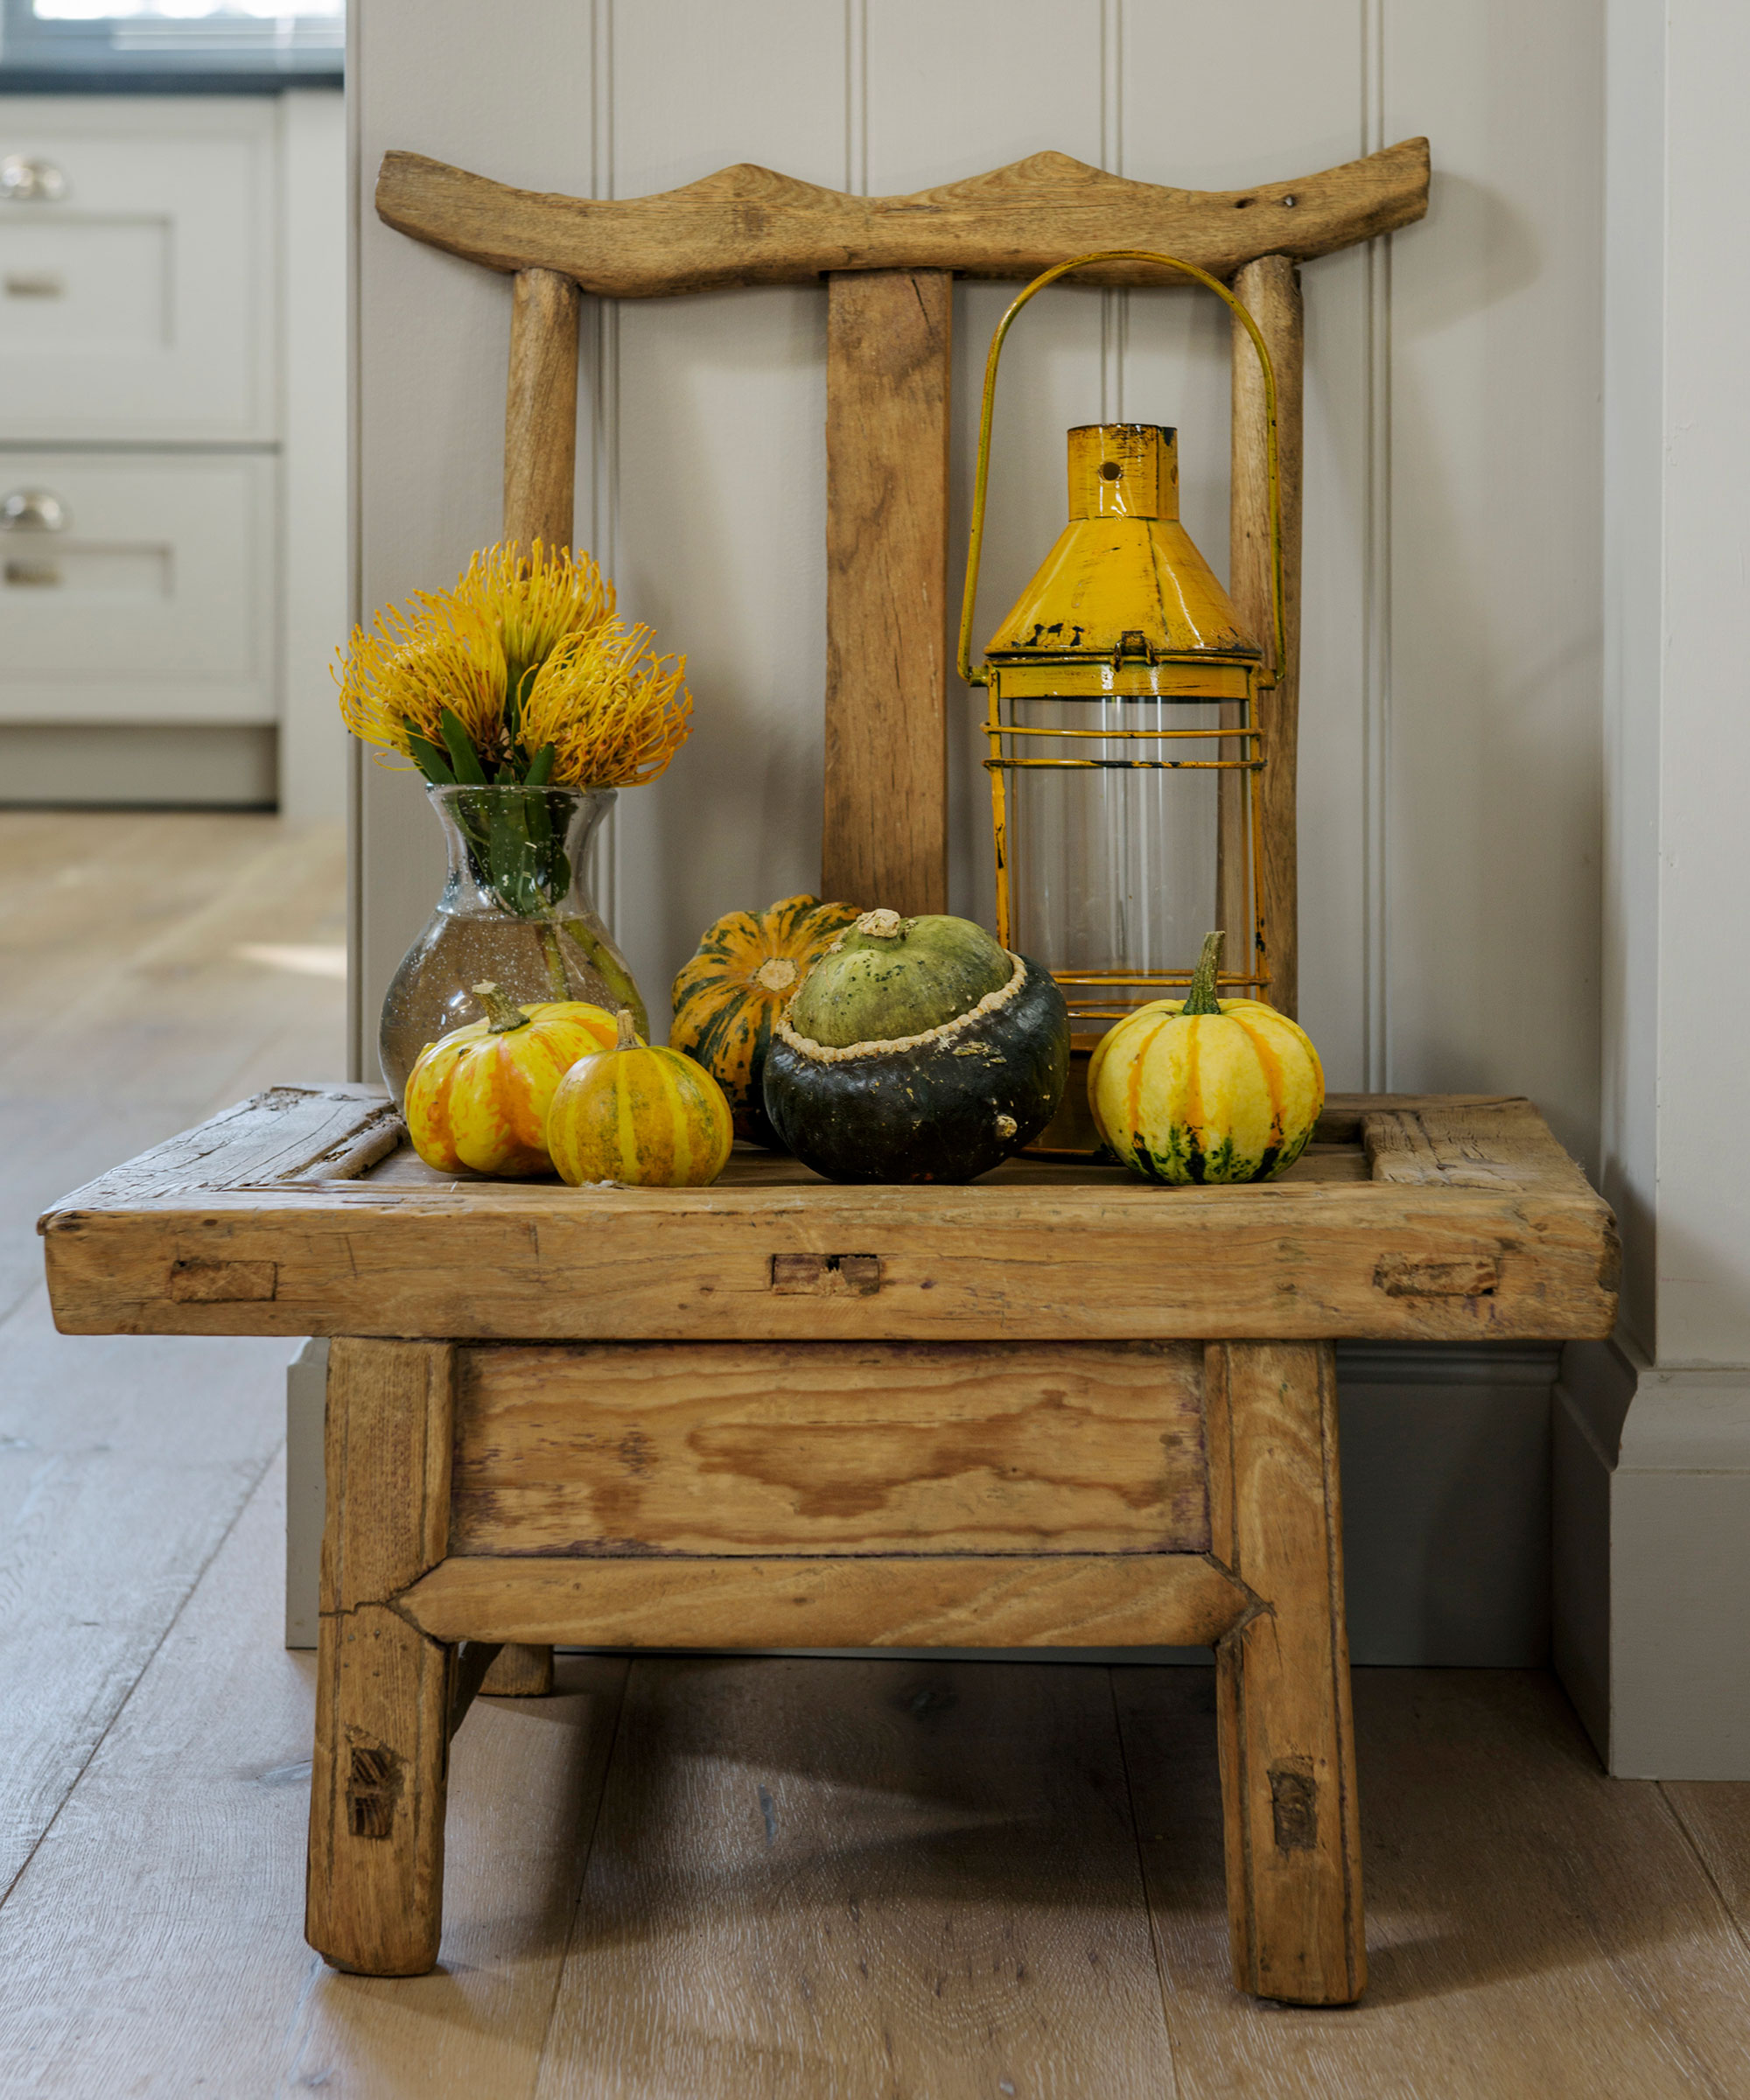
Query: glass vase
{"x": 515, "y": 911}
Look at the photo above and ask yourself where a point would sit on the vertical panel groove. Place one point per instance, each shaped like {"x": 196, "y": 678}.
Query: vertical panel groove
{"x": 857, "y": 97}
{"x": 602, "y": 355}
{"x": 1115, "y": 301}
{"x": 1376, "y": 595}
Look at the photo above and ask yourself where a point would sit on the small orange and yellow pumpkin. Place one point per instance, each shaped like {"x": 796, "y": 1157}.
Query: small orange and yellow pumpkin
{"x": 478, "y": 1097}
{"x": 747, "y": 971}
{"x": 1206, "y": 1089}
{"x": 645, "y": 1115}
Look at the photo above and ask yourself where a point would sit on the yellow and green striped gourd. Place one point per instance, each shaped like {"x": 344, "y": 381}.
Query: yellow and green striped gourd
{"x": 478, "y": 1097}
{"x": 748, "y": 967}
{"x": 639, "y": 1114}
{"x": 1206, "y": 1089}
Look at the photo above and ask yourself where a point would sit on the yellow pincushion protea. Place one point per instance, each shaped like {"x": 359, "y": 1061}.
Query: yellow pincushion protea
{"x": 1205, "y": 1090}
{"x": 521, "y": 675}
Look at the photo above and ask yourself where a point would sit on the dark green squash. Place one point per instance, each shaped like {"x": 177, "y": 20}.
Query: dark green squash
{"x": 945, "y": 1101}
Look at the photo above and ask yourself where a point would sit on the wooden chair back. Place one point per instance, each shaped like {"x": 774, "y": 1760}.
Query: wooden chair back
{"x": 889, "y": 262}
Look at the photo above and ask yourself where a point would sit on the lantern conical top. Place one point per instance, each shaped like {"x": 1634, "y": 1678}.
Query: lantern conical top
{"x": 1125, "y": 602}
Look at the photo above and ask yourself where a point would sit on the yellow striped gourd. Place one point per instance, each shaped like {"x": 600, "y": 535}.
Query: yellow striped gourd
{"x": 1204, "y": 1090}
{"x": 635, "y": 1113}
{"x": 727, "y": 998}
{"x": 478, "y": 1098}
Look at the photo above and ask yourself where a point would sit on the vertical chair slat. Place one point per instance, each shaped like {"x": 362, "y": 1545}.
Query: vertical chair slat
{"x": 884, "y": 834}
{"x": 1271, "y": 288}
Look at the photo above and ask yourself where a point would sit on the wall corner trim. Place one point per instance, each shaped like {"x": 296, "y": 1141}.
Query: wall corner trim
{"x": 1652, "y": 1560}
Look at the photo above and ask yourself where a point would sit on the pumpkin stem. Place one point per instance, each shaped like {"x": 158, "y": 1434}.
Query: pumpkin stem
{"x": 500, "y": 1011}
{"x": 884, "y": 924}
{"x": 1201, "y": 997}
{"x": 627, "y": 1028}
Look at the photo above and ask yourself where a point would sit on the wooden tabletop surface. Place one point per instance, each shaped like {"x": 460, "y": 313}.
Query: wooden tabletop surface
{"x": 303, "y": 1212}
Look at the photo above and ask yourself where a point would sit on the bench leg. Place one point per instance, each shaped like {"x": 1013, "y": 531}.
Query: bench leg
{"x": 383, "y": 1690}
{"x": 1287, "y": 1736}
{"x": 520, "y": 1672}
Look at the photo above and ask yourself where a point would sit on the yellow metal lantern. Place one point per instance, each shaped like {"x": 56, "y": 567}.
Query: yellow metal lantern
{"x": 1124, "y": 745}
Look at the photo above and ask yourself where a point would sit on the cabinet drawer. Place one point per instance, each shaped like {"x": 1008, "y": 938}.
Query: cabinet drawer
{"x": 137, "y": 265}
{"x": 139, "y": 588}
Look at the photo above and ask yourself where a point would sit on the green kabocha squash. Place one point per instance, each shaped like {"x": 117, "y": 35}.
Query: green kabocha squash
{"x": 916, "y": 1050}
{"x": 747, "y": 969}
{"x": 1206, "y": 1089}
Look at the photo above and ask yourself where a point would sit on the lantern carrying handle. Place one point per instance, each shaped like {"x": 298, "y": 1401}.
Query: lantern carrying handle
{"x": 1050, "y": 276}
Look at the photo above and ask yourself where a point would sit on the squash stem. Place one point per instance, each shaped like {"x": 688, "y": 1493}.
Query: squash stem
{"x": 503, "y": 1015}
{"x": 1201, "y": 997}
{"x": 627, "y": 1029}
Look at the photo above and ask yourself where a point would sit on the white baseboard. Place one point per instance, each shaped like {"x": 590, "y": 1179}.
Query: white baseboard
{"x": 1652, "y": 1561}
{"x": 137, "y": 765}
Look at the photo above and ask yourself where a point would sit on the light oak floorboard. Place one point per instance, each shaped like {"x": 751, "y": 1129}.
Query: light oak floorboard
{"x": 1715, "y": 1815}
{"x": 1534, "y": 1928}
{"x": 154, "y": 1944}
{"x": 817, "y": 1879}
{"x": 121, "y": 1469}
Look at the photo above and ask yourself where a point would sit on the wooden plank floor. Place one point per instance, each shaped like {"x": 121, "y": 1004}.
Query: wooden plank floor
{"x": 685, "y": 1878}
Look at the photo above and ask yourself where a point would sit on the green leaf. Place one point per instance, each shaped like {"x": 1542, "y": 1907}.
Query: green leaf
{"x": 430, "y": 760}
{"x": 540, "y": 767}
{"x": 462, "y": 754}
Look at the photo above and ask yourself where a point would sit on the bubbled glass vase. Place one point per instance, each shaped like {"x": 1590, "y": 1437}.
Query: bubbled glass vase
{"x": 515, "y": 911}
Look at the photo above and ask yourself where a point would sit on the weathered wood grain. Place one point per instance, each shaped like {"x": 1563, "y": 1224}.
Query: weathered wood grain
{"x": 1323, "y": 1260}
{"x": 383, "y": 1689}
{"x": 541, "y": 410}
{"x": 1053, "y": 1253}
{"x": 862, "y": 1878}
{"x": 884, "y": 837}
{"x": 923, "y": 1600}
{"x": 1270, "y": 288}
{"x": 1287, "y": 1738}
{"x": 748, "y": 226}
{"x": 282, "y": 1135}
{"x": 1442, "y": 1145}
{"x": 813, "y": 1447}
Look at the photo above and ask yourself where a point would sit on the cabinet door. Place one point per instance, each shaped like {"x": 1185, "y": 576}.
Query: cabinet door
{"x": 137, "y": 588}
{"x": 137, "y": 268}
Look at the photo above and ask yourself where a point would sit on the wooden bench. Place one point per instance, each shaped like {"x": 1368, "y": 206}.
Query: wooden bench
{"x": 1056, "y": 1408}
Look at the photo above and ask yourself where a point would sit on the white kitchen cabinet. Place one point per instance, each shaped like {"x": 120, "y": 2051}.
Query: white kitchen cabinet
{"x": 173, "y": 419}
{"x": 137, "y": 587}
{"x": 138, "y": 268}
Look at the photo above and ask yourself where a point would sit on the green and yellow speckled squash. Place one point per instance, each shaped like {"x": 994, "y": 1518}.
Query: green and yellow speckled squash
{"x": 647, "y": 1117}
{"x": 748, "y": 966}
{"x": 1207, "y": 1089}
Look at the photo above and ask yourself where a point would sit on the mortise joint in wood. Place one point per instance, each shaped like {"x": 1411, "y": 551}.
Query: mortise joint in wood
{"x": 197, "y": 1282}
{"x": 1294, "y": 1806}
{"x": 373, "y": 1788}
{"x": 1400, "y": 1277}
{"x": 826, "y": 1275}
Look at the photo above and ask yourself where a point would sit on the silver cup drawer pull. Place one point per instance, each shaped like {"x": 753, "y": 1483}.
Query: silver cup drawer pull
{"x": 26, "y": 180}
{"x": 36, "y": 576}
{"x": 34, "y": 284}
{"x": 32, "y": 510}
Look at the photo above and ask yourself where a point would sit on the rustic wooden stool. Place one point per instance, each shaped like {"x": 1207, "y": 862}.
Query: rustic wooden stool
{"x": 1055, "y": 1408}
